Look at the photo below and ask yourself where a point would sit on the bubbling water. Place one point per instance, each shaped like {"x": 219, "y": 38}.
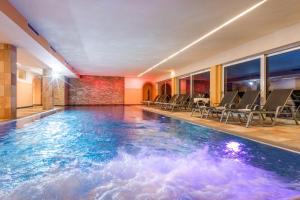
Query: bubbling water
{"x": 146, "y": 175}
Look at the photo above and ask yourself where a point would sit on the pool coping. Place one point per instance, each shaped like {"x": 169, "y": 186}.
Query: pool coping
{"x": 223, "y": 130}
{"x": 32, "y": 117}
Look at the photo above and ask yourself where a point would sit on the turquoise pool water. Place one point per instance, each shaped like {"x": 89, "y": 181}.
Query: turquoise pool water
{"x": 126, "y": 153}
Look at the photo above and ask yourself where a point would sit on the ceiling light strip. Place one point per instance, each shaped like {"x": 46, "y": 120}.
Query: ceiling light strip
{"x": 204, "y": 36}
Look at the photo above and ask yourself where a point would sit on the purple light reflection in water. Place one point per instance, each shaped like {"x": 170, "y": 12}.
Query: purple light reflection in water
{"x": 150, "y": 176}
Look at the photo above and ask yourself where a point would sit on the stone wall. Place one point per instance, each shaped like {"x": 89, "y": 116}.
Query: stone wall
{"x": 96, "y": 90}
{"x": 60, "y": 92}
{"x": 47, "y": 90}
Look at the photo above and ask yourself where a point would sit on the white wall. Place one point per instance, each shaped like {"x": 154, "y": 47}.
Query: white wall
{"x": 134, "y": 90}
{"x": 24, "y": 90}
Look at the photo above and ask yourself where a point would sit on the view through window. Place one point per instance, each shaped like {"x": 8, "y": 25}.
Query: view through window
{"x": 283, "y": 72}
{"x": 201, "y": 83}
{"x": 185, "y": 85}
{"x": 242, "y": 76}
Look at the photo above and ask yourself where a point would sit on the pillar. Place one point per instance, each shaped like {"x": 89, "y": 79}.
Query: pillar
{"x": 8, "y": 88}
{"x": 263, "y": 80}
{"x": 60, "y": 91}
{"x": 216, "y": 84}
{"x": 47, "y": 90}
{"x": 157, "y": 88}
{"x": 191, "y": 85}
{"x": 174, "y": 86}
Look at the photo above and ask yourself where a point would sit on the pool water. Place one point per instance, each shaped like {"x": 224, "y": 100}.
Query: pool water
{"x": 116, "y": 152}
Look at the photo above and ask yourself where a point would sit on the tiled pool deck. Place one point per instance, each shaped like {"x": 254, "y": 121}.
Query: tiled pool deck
{"x": 24, "y": 112}
{"x": 285, "y": 136}
{"x": 27, "y": 115}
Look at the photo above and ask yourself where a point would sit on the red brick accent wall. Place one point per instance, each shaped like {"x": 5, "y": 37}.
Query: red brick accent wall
{"x": 96, "y": 90}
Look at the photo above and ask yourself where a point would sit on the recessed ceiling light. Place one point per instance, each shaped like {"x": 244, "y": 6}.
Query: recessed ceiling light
{"x": 204, "y": 36}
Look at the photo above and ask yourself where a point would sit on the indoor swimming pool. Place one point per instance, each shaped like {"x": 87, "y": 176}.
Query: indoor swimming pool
{"x": 117, "y": 152}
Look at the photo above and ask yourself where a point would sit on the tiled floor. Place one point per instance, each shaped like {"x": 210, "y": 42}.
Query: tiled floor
{"x": 282, "y": 135}
{"x": 23, "y": 112}
{"x": 34, "y": 112}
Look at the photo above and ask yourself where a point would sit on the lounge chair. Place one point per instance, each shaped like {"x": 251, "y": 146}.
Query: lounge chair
{"x": 296, "y": 102}
{"x": 246, "y": 103}
{"x": 274, "y": 106}
{"x": 171, "y": 101}
{"x": 297, "y": 111}
{"x": 206, "y": 110}
{"x": 155, "y": 100}
{"x": 163, "y": 99}
{"x": 181, "y": 103}
{"x": 185, "y": 103}
{"x": 170, "y": 104}
{"x": 149, "y": 102}
{"x": 200, "y": 97}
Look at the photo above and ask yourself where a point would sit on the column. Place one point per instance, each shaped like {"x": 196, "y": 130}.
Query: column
{"x": 263, "y": 80}
{"x": 174, "y": 88}
{"x": 47, "y": 90}
{"x": 191, "y": 85}
{"x": 8, "y": 88}
{"x": 216, "y": 84}
{"x": 60, "y": 92}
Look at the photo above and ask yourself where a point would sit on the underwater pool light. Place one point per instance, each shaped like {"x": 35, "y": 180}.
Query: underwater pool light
{"x": 233, "y": 146}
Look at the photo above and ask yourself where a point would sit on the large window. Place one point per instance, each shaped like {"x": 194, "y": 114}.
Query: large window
{"x": 283, "y": 71}
{"x": 201, "y": 83}
{"x": 242, "y": 76}
{"x": 185, "y": 85}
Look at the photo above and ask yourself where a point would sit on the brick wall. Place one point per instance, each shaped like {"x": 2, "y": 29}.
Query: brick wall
{"x": 96, "y": 90}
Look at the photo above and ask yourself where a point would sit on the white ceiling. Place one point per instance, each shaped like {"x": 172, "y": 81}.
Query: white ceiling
{"x": 124, "y": 38}
{"x": 30, "y": 54}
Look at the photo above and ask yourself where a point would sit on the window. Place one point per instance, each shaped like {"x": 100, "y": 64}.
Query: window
{"x": 201, "y": 83}
{"x": 242, "y": 76}
{"x": 185, "y": 85}
{"x": 283, "y": 72}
